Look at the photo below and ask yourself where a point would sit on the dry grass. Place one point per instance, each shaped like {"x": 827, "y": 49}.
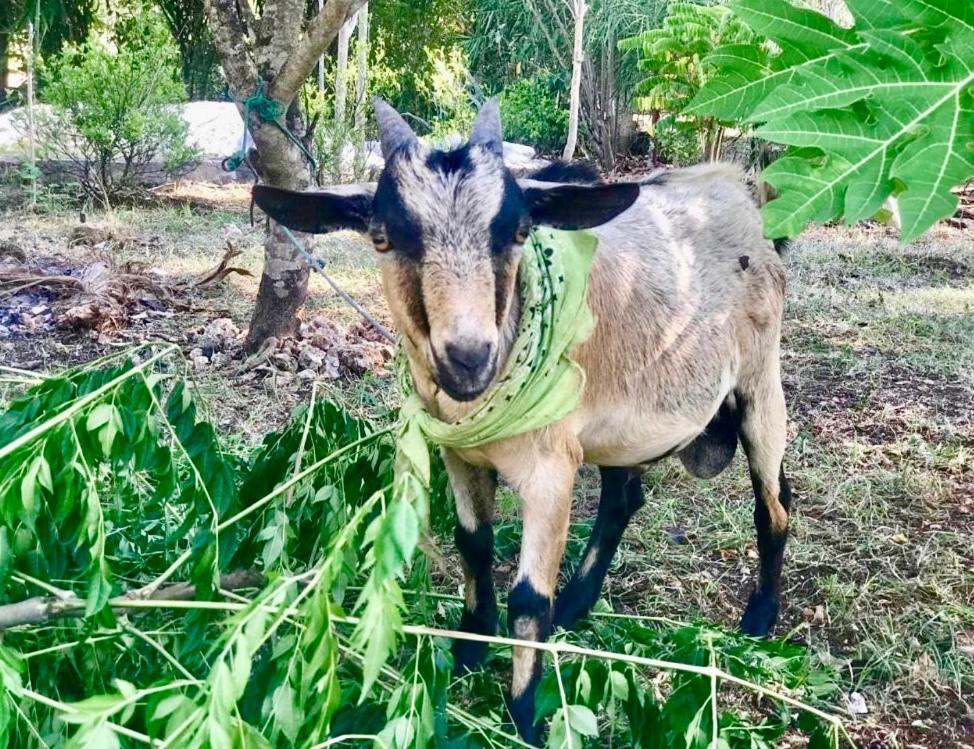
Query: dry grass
{"x": 878, "y": 361}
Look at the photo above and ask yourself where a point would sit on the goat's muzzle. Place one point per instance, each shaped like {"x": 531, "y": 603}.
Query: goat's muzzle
{"x": 466, "y": 368}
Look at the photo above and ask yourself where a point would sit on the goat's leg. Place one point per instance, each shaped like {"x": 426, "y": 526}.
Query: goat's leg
{"x": 545, "y": 491}
{"x": 474, "y": 489}
{"x": 763, "y": 434}
{"x": 622, "y": 495}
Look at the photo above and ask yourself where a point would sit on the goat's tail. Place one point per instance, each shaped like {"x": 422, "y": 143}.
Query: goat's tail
{"x": 579, "y": 172}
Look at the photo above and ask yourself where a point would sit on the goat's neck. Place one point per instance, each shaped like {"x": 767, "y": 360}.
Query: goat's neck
{"x": 436, "y": 401}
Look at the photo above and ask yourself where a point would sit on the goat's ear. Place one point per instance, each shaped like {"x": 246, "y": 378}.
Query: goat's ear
{"x": 345, "y": 207}
{"x": 578, "y": 206}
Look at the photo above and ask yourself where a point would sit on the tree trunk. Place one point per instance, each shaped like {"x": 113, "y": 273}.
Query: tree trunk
{"x": 341, "y": 70}
{"x": 284, "y": 282}
{"x": 275, "y": 51}
{"x": 4, "y": 64}
{"x": 362, "y": 71}
{"x": 578, "y": 9}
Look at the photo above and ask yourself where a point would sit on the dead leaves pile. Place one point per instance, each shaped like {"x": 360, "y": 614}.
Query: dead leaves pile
{"x": 101, "y": 294}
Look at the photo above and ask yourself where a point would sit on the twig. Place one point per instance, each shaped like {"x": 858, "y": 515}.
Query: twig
{"x": 41, "y": 609}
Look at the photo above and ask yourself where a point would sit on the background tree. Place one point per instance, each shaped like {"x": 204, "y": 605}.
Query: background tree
{"x": 200, "y": 66}
{"x": 56, "y": 23}
{"x": 514, "y": 39}
{"x": 676, "y": 58}
{"x": 578, "y": 8}
{"x": 274, "y": 53}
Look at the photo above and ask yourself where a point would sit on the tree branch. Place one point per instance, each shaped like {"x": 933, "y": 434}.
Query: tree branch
{"x": 42, "y": 609}
{"x": 319, "y": 34}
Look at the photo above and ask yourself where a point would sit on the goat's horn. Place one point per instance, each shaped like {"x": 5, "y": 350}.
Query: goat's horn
{"x": 394, "y": 131}
{"x": 487, "y": 129}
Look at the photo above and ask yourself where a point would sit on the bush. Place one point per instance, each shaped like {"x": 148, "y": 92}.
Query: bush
{"x": 676, "y": 142}
{"x": 534, "y": 111}
{"x": 111, "y": 113}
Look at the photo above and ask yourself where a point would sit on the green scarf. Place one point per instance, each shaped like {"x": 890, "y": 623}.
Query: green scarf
{"x": 540, "y": 383}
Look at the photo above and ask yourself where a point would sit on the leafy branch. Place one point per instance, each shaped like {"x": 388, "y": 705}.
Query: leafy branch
{"x": 327, "y": 629}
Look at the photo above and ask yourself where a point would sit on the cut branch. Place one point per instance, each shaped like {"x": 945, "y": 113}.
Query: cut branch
{"x": 42, "y": 609}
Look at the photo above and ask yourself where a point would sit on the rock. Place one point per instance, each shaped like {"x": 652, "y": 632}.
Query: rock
{"x": 219, "y": 334}
{"x": 12, "y": 250}
{"x": 285, "y": 362}
{"x": 330, "y": 370}
{"x": 362, "y": 357}
{"x": 307, "y": 375}
{"x": 90, "y": 235}
{"x": 311, "y": 357}
{"x": 856, "y": 704}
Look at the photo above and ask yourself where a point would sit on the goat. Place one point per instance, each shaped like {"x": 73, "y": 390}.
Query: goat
{"x": 684, "y": 358}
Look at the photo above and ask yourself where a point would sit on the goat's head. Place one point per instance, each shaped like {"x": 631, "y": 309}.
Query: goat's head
{"x": 448, "y": 227}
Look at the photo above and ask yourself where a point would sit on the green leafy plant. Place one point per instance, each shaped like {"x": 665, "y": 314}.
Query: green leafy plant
{"x": 111, "y": 113}
{"x": 676, "y": 142}
{"x": 884, "y": 108}
{"x": 158, "y": 590}
{"x": 535, "y": 111}
{"x": 677, "y": 58}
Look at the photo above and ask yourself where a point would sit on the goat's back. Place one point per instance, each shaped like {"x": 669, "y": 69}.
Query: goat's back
{"x": 688, "y": 298}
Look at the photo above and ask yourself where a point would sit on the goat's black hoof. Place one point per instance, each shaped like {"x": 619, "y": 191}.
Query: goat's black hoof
{"x": 761, "y": 614}
{"x": 573, "y": 603}
{"x": 468, "y": 655}
{"x": 568, "y": 612}
{"x": 522, "y": 713}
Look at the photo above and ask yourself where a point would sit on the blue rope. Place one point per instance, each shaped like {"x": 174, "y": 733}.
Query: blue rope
{"x": 269, "y": 110}
{"x": 319, "y": 265}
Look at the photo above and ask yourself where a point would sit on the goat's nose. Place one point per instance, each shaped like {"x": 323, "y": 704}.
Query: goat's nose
{"x": 468, "y": 358}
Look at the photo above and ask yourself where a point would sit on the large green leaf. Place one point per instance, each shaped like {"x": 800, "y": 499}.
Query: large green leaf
{"x": 886, "y": 107}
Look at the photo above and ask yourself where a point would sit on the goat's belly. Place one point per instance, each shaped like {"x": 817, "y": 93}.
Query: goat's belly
{"x": 629, "y": 437}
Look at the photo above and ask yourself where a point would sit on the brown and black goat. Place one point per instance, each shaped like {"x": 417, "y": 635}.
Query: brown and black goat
{"x": 684, "y": 357}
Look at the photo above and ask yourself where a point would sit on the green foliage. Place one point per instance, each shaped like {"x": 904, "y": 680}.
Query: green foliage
{"x": 677, "y": 58}
{"x": 58, "y": 22}
{"x": 535, "y": 111}
{"x": 676, "y": 141}
{"x": 111, "y": 480}
{"x": 198, "y": 59}
{"x": 413, "y": 35}
{"x": 883, "y": 108}
{"x": 111, "y": 112}
{"x": 450, "y": 92}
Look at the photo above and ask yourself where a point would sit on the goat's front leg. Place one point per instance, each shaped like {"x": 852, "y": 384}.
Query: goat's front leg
{"x": 545, "y": 488}
{"x": 474, "y": 489}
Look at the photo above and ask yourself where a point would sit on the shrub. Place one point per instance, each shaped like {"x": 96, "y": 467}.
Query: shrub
{"x": 535, "y": 111}
{"x": 676, "y": 142}
{"x": 111, "y": 115}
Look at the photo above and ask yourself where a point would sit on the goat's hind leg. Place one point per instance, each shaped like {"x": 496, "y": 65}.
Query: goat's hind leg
{"x": 622, "y": 495}
{"x": 474, "y": 489}
{"x": 763, "y": 434}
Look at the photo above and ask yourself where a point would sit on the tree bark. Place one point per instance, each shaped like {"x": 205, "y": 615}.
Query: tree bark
{"x": 362, "y": 71}
{"x": 272, "y": 49}
{"x": 578, "y": 57}
{"x": 341, "y": 70}
{"x": 4, "y": 64}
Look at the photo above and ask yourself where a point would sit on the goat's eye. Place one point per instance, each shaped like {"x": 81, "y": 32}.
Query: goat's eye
{"x": 521, "y": 236}
{"x": 380, "y": 242}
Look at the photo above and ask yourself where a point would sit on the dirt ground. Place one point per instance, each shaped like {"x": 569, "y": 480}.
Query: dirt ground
{"x": 878, "y": 363}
